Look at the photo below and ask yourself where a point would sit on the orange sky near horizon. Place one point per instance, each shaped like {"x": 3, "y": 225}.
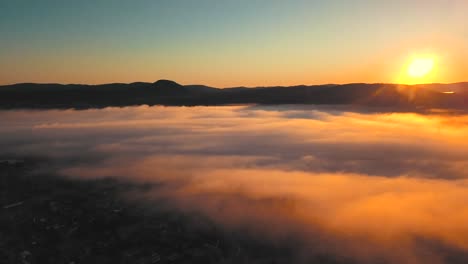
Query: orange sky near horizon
{"x": 383, "y": 68}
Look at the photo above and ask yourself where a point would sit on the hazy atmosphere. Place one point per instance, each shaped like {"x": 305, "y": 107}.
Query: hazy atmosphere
{"x": 326, "y": 177}
{"x": 234, "y": 132}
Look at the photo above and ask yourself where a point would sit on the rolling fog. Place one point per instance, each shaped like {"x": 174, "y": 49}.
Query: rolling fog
{"x": 359, "y": 185}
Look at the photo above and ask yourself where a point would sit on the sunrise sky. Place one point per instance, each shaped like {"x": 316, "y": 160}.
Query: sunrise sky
{"x": 233, "y": 43}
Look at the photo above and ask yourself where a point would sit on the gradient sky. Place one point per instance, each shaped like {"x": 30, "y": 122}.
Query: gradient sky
{"x": 230, "y": 43}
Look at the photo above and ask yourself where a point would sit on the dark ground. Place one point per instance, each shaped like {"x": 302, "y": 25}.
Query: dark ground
{"x": 47, "y": 219}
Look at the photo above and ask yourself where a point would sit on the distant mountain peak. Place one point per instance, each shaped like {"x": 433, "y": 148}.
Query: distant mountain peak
{"x": 167, "y": 84}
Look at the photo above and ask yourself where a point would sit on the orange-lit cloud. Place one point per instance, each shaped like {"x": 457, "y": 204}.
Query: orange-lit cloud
{"x": 349, "y": 183}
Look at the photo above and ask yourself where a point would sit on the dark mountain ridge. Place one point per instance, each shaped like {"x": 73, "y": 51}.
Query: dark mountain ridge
{"x": 166, "y": 92}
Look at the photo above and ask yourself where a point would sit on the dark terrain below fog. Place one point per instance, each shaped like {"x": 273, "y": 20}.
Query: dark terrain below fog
{"x": 50, "y": 219}
{"x": 165, "y": 92}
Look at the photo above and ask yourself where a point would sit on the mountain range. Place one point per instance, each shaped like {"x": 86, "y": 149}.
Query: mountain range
{"x": 166, "y": 92}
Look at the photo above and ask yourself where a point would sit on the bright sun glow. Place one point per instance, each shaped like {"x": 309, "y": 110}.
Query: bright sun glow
{"x": 420, "y": 67}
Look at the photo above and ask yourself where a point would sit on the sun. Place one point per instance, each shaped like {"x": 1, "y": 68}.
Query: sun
{"x": 420, "y": 67}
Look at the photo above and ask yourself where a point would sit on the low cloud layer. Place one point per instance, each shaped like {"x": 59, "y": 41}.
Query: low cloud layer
{"x": 357, "y": 185}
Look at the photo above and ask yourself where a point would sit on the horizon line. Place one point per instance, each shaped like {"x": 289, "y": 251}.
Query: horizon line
{"x": 295, "y": 85}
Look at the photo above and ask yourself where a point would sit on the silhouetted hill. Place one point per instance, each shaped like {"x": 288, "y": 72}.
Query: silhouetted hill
{"x": 166, "y": 92}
